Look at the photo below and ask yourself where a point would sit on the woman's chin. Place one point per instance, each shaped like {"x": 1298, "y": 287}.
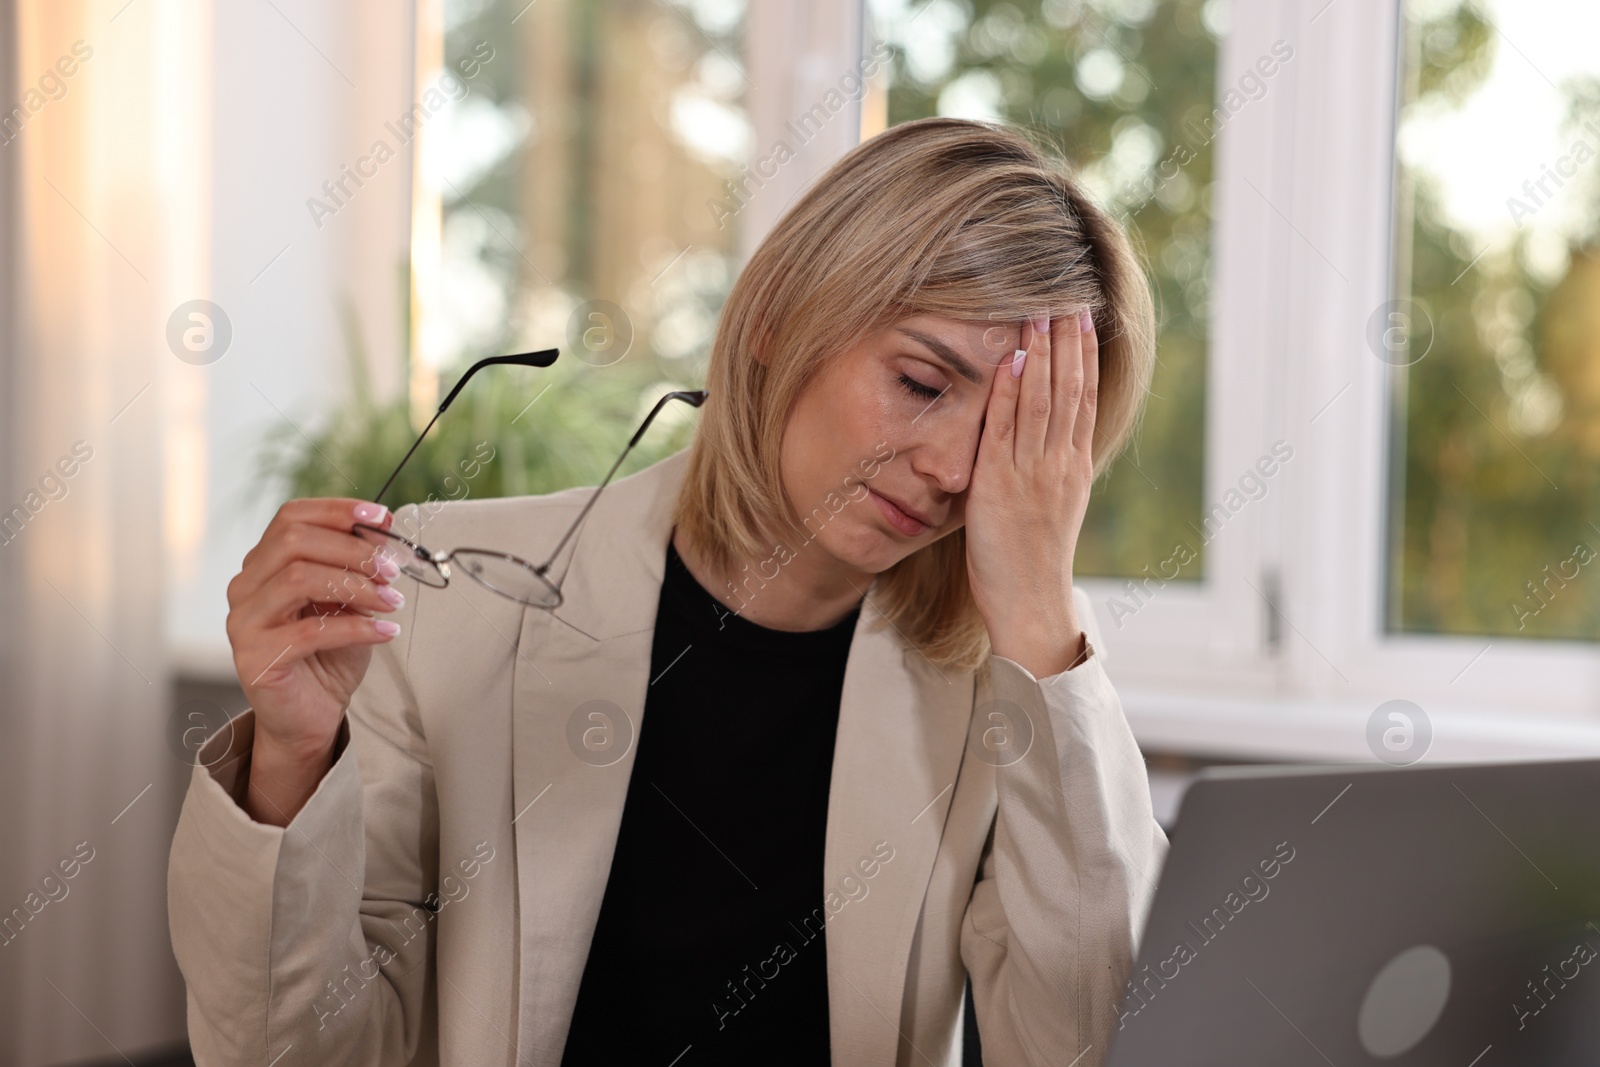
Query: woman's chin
{"x": 869, "y": 547}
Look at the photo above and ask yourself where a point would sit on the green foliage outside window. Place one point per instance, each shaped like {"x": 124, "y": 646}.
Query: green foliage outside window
{"x": 1495, "y": 513}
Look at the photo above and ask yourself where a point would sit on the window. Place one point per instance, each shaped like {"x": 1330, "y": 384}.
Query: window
{"x": 1494, "y": 325}
{"x": 1388, "y": 426}
{"x": 573, "y": 186}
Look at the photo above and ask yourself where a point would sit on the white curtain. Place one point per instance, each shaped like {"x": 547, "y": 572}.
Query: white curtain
{"x": 101, "y": 173}
{"x": 158, "y": 152}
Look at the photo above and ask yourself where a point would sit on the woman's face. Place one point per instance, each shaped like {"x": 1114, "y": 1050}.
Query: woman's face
{"x": 878, "y": 449}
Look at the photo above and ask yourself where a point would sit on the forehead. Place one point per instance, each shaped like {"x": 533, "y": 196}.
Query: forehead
{"x": 983, "y": 344}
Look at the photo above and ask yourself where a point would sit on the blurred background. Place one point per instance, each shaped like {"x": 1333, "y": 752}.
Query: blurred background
{"x": 249, "y": 246}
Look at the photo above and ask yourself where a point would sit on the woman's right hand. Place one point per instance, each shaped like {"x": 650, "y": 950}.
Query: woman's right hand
{"x": 302, "y": 627}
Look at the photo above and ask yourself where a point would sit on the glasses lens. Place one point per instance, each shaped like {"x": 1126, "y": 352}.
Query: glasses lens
{"x": 412, "y": 559}
{"x": 509, "y": 575}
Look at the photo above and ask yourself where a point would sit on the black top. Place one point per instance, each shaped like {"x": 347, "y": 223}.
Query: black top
{"x": 700, "y": 956}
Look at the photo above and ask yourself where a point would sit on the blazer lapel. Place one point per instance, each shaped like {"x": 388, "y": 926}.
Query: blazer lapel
{"x": 581, "y": 677}
{"x": 902, "y": 729}
{"x": 580, "y": 680}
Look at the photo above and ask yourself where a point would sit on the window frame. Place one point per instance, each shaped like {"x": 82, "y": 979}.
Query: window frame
{"x": 801, "y": 48}
{"x": 1290, "y": 270}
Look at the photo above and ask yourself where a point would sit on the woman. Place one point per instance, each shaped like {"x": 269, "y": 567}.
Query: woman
{"x": 881, "y": 754}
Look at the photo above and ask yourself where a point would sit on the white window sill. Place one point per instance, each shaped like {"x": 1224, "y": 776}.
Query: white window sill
{"x": 1298, "y": 730}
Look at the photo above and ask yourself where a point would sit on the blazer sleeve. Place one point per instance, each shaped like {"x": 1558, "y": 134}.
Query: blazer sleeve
{"x": 313, "y": 942}
{"x": 1067, "y": 874}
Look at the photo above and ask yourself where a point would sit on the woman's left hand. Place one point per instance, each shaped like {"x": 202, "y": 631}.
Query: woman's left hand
{"x": 1029, "y": 490}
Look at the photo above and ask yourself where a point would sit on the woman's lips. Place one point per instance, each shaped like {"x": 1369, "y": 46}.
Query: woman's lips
{"x": 898, "y": 519}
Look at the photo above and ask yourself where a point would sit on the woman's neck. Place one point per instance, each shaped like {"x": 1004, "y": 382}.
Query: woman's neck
{"x": 797, "y": 592}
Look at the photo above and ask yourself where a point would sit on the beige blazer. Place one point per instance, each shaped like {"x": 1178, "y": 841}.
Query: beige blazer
{"x": 434, "y": 900}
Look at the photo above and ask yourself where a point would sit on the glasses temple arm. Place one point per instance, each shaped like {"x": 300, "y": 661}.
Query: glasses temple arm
{"x": 690, "y": 396}
{"x": 541, "y": 358}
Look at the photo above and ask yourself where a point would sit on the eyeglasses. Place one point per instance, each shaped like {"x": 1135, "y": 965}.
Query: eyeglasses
{"x": 500, "y": 572}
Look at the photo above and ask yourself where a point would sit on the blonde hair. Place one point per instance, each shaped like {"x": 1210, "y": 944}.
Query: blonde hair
{"x": 938, "y": 216}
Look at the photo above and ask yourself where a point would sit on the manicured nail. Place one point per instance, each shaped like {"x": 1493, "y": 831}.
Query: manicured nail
{"x": 388, "y": 569}
{"x": 391, "y": 596}
{"x": 372, "y": 513}
{"x": 385, "y": 627}
{"x": 1041, "y": 326}
{"x": 1085, "y": 321}
{"x": 1017, "y": 359}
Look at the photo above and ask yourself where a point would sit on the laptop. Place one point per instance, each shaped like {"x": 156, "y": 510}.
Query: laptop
{"x": 1443, "y": 914}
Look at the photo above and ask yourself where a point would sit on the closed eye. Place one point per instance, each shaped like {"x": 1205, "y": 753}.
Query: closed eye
{"x": 918, "y": 389}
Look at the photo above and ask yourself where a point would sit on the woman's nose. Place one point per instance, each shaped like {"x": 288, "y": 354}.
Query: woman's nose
{"x": 948, "y": 458}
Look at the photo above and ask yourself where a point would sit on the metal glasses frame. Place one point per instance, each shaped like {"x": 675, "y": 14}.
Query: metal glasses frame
{"x": 432, "y": 568}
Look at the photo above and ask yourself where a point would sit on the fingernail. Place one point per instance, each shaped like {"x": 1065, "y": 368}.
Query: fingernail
{"x": 373, "y": 513}
{"x": 1041, "y": 325}
{"x": 1085, "y": 321}
{"x": 385, "y": 563}
{"x": 385, "y": 627}
{"x": 391, "y": 596}
{"x": 1017, "y": 359}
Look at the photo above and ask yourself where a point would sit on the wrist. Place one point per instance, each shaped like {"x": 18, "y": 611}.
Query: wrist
{"x": 283, "y": 777}
{"x": 1033, "y": 627}
{"x": 1042, "y": 649}
{"x": 306, "y": 750}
